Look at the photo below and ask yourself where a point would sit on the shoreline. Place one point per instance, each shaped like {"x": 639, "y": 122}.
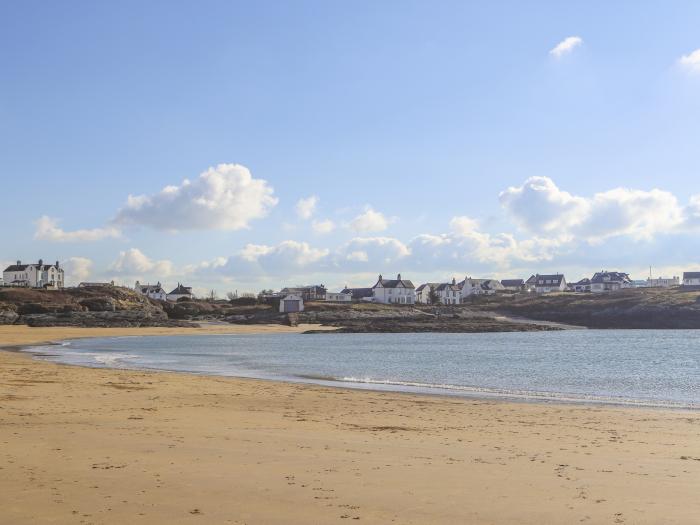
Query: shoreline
{"x": 398, "y": 387}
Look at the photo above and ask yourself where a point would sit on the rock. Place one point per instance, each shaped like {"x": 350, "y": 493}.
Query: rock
{"x": 121, "y": 318}
{"x": 98, "y": 304}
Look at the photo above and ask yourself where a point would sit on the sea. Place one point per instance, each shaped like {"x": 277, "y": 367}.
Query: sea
{"x": 659, "y": 368}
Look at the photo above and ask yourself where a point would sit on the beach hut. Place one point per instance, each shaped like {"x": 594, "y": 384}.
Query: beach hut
{"x": 291, "y": 303}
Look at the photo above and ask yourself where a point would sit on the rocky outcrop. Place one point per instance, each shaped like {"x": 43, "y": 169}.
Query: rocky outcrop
{"x": 122, "y": 318}
{"x": 8, "y": 314}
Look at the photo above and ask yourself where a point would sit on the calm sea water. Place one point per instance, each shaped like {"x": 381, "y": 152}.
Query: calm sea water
{"x": 646, "y": 367}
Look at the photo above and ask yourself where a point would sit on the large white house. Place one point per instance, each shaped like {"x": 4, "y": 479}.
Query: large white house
{"x": 180, "y": 292}
{"x": 691, "y": 279}
{"x": 394, "y": 291}
{"x": 610, "y": 281}
{"x": 153, "y": 291}
{"x": 37, "y": 275}
{"x": 448, "y": 293}
{"x": 550, "y": 283}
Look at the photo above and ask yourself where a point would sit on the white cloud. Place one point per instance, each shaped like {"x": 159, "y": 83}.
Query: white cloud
{"x": 323, "y": 227}
{"x": 77, "y": 269}
{"x": 566, "y": 46}
{"x": 463, "y": 225}
{"x": 47, "y": 230}
{"x": 691, "y": 62}
{"x": 225, "y": 197}
{"x": 369, "y": 221}
{"x": 133, "y": 262}
{"x": 306, "y": 207}
{"x": 283, "y": 260}
{"x": 370, "y": 253}
{"x": 541, "y": 208}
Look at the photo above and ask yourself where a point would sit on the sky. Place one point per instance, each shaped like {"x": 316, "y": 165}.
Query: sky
{"x": 248, "y": 145}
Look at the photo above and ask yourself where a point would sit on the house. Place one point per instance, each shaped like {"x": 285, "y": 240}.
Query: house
{"x": 584, "y": 285}
{"x": 691, "y": 279}
{"x": 359, "y": 294}
{"x": 479, "y": 287}
{"x": 424, "y": 291}
{"x": 180, "y": 292}
{"x": 96, "y": 285}
{"x": 550, "y": 283}
{"x": 291, "y": 303}
{"x": 491, "y": 286}
{"x": 311, "y": 292}
{"x": 338, "y": 297}
{"x": 531, "y": 284}
{"x": 38, "y": 275}
{"x": 448, "y": 293}
{"x": 394, "y": 291}
{"x": 605, "y": 281}
{"x": 515, "y": 285}
{"x": 662, "y": 282}
{"x": 152, "y": 291}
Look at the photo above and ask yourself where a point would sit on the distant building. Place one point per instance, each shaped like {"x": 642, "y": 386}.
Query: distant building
{"x": 314, "y": 292}
{"x": 550, "y": 283}
{"x": 291, "y": 303}
{"x": 152, "y": 291}
{"x": 604, "y": 281}
{"x": 448, "y": 293}
{"x": 424, "y": 291}
{"x": 180, "y": 292}
{"x": 514, "y": 285}
{"x": 663, "y": 282}
{"x": 338, "y": 297}
{"x": 359, "y": 294}
{"x": 479, "y": 287}
{"x": 584, "y": 285}
{"x": 691, "y": 279}
{"x": 96, "y": 285}
{"x": 394, "y": 291}
{"x": 531, "y": 284}
{"x": 37, "y": 275}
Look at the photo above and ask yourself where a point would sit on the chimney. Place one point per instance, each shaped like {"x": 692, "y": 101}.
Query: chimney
{"x": 19, "y": 262}
{"x": 398, "y": 277}
{"x": 454, "y": 281}
{"x": 41, "y": 262}
{"x": 56, "y": 264}
{"x": 380, "y": 276}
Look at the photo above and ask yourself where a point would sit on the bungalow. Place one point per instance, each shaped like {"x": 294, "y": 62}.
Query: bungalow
{"x": 38, "y": 275}
{"x": 448, "y": 293}
{"x": 312, "y": 292}
{"x": 359, "y": 294}
{"x": 691, "y": 279}
{"x": 338, "y": 297}
{"x": 152, "y": 291}
{"x": 550, "y": 283}
{"x": 514, "y": 285}
{"x": 291, "y": 303}
{"x": 604, "y": 281}
{"x": 662, "y": 282}
{"x": 584, "y": 285}
{"x": 180, "y": 292}
{"x": 394, "y": 291}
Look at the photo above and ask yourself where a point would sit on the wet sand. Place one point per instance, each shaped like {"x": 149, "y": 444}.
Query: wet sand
{"x": 81, "y": 445}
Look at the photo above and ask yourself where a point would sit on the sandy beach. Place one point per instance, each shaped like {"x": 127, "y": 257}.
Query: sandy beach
{"x": 81, "y": 445}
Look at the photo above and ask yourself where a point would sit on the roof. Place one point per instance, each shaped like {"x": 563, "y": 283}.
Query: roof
{"x": 146, "y": 288}
{"x": 358, "y": 293}
{"x": 447, "y": 286}
{"x": 607, "y": 277}
{"x": 426, "y": 285}
{"x": 691, "y": 275}
{"x": 490, "y": 284}
{"x": 583, "y": 281}
{"x": 556, "y": 278}
{"x": 531, "y": 280}
{"x": 512, "y": 282}
{"x": 394, "y": 283}
{"x": 181, "y": 290}
{"x": 16, "y": 268}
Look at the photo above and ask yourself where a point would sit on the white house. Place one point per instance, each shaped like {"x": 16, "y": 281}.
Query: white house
{"x": 479, "y": 287}
{"x": 448, "y": 293}
{"x": 610, "y": 281}
{"x": 179, "y": 293}
{"x": 291, "y": 303}
{"x": 341, "y": 297}
{"x": 550, "y": 283}
{"x": 662, "y": 282}
{"x": 691, "y": 279}
{"x": 394, "y": 291}
{"x": 38, "y": 275}
{"x": 424, "y": 291}
{"x": 152, "y": 291}
{"x": 584, "y": 285}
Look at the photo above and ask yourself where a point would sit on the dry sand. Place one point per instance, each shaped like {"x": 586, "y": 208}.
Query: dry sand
{"x": 84, "y": 445}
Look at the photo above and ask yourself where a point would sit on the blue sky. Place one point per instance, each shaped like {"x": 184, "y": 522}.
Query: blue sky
{"x": 408, "y": 121}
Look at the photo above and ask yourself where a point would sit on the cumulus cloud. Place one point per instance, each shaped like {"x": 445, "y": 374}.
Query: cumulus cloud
{"x": 306, "y": 207}
{"x": 370, "y": 251}
{"x": 133, "y": 262}
{"x": 566, "y": 46}
{"x": 284, "y": 259}
{"x": 225, "y": 197}
{"x": 540, "y": 207}
{"x": 369, "y": 221}
{"x": 323, "y": 226}
{"x": 691, "y": 61}
{"x": 77, "y": 269}
{"x": 47, "y": 229}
